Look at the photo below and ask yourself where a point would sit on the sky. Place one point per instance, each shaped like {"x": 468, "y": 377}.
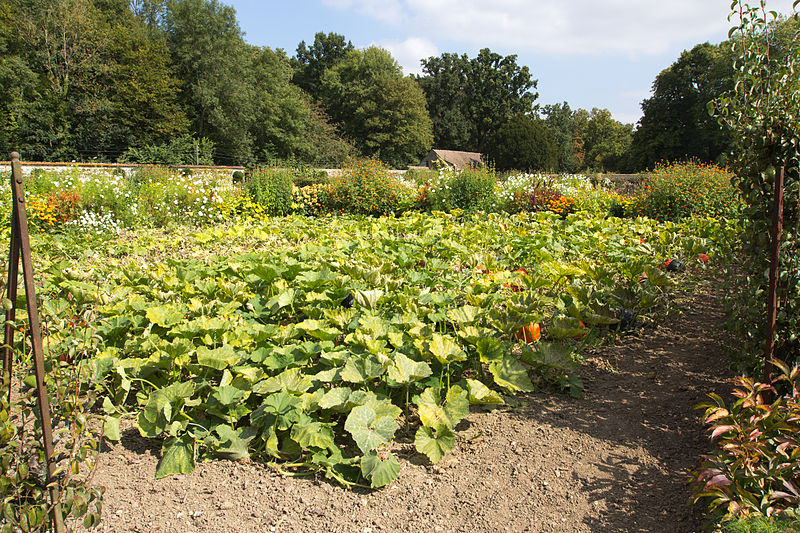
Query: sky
{"x": 588, "y": 53}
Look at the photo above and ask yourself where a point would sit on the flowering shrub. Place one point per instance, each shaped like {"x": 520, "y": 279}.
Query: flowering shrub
{"x": 272, "y": 188}
{"x": 305, "y": 200}
{"x": 365, "y": 187}
{"x": 755, "y": 468}
{"x": 182, "y": 198}
{"x": 470, "y": 190}
{"x": 104, "y": 201}
{"x": 676, "y": 190}
{"x": 242, "y": 206}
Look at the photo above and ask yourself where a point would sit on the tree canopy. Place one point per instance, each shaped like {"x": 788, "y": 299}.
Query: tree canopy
{"x": 524, "y": 143}
{"x": 675, "y": 124}
{"x": 380, "y": 110}
{"x": 469, "y": 99}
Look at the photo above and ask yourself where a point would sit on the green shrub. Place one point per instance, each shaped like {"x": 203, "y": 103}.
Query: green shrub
{"x": 763, "y": 525}
{"x": 470, "y": 190}
{"x": 150, "y": 173}
{"x": 365, "y": 187}
{"x": 305, "y": 176}
{"x": 420, "y": 176}
{"x": 271, "y": 188}
{"x": 237, "y": 177}
{"x": 677, "y": 190}
{"x": 755, "y": 467}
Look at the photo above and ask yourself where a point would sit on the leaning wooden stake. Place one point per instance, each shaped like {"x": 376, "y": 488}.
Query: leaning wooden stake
{"x": 774, "y": 263}
{"x": 21, "y": 249}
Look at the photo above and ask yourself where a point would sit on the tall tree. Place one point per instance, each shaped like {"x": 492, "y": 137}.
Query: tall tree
{"x": 310, "y": 62}
{"x": 475, "y": 95}
{"x": 444, "y": 84}
{"x": 382, "y": 112}
{"x": 603, "y": 141}
{"x": 560, "y": 121}
{"x": 675, "y": 124}
{"x": 212, "y": 60}
{"x": 524, "y": 142}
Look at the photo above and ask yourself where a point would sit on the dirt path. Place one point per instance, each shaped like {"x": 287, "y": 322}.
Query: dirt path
{"x": 612, "y": 461}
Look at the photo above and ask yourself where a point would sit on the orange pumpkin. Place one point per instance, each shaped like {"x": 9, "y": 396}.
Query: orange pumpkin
{"x": 530, "y": 333}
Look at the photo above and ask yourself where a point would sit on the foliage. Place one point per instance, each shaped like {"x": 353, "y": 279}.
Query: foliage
{"x": 601, "y": 143}
{"x": 312, "y": 341}
{"x": 270, "y": 188}
{"x": 761, "y": 112}
{"x": 311, "y": 62}
{"x": 534, "y": 193}
{"x": 754, "y": 468}
{"x": 676, "y": 190}
{"x": 762, "y": 525}
{"x": 522, "y": 143}
{"x": 101, "y": 201}
{"x": 23, "y": 477}
{"x": 306, "y": 200}
{"x": 469, "y": 99}
{"x": 469, "y": 189}
{"x": 381, "y": 111}
{"x": 364, "y": 187}
{"x": 184, "y": 150}
{"x": 675, "y": 124}
{"x": 560, "y": 122}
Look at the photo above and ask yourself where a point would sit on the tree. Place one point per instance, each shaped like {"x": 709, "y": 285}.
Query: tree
{"x": 444, "y": 85}
{"x": 135, "y": 102}
{"x": 212, "y": 60}
{"x": 560, "y": 122}
{"x": 469, "y": 99}
{"x": 603, "y": 141}
{"x": 311, "y": 62}
{"x": 522, "y": 143}
{"x": 375, "y": 106}
{"x": 675, "y": 124}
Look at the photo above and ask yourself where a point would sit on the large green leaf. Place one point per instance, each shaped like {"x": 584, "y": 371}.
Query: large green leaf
{"x": 218, "y": 358}
{"x": 319, "y": 329}
{"x": 481, "y": 394}
{"x": 177, "y": 457}
{"x": 511, "y": 375}
{"x": 405, "y": 370}
{"x": 434, "y": 443}
{"x": 362, "y": 369}
{"x": 233, "y": 443}
{"x": 367, "y": 299}
{"x": 379, "y": 472}
{"x": 490, "y": 349}
{"x": 314, "y": 434}
{"x": 164, "y": 315}
{"x": 291, "y": 380}
{"x": 370, "y": 427}
{"x": 445, "y": 349}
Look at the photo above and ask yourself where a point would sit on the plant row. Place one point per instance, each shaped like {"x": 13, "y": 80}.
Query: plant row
{"x": 346, "y": 334}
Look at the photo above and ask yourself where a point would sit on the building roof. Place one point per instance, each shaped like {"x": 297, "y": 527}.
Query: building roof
{"x": 459, "y": 159}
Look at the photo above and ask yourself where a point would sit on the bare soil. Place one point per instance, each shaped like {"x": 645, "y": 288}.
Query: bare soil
{"x": 614, "y": 461}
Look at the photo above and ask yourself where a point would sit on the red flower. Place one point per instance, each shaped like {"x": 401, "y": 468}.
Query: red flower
{"x": 703, "y": 258}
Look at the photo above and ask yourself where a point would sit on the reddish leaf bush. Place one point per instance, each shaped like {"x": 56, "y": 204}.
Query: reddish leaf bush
{"x": 755, "y": 468}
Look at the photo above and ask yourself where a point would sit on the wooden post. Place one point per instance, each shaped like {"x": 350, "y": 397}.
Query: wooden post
{"x": 774, "y": 263}
{"x": 21, "y": 249}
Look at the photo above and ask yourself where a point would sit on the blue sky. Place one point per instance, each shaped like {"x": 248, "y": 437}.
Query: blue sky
{"x": 589, "y": 53}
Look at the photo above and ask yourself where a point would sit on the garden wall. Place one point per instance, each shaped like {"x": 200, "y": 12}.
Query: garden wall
{"x": 28, "y": 167}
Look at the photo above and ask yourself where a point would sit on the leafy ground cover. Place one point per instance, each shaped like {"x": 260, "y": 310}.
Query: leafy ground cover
{"x": 307, "y": 342}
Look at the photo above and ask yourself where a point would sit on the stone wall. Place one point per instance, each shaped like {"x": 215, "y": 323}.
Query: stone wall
{"x": 27, "y": 168}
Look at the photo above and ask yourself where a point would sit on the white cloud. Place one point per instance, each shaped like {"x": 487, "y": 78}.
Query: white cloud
{"x": 409, "y": 52}
{"x": 572, "y": 27}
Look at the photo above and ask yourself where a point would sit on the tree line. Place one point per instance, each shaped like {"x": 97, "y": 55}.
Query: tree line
{"x": 173, "y": 81}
